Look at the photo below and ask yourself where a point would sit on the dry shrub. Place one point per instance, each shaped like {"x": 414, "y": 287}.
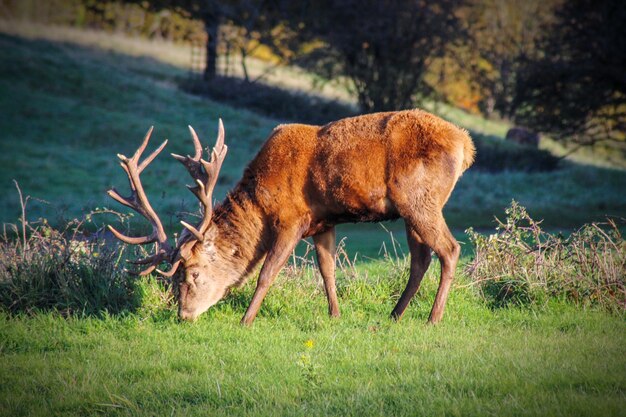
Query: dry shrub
{"x": 523, "y": 264}
{"x": 43, "y": 268}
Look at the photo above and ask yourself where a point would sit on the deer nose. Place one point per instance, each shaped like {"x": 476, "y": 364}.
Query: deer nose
{"x": 186, "y": 315}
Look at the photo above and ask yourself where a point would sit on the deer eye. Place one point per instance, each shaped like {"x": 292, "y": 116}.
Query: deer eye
{"x": 195, "y": 275}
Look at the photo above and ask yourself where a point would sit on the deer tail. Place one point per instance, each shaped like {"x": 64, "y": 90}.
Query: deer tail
{"x": 469, "y": 150}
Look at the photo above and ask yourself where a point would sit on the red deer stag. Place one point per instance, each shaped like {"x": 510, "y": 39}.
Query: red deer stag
{"x": 303, "y": 182}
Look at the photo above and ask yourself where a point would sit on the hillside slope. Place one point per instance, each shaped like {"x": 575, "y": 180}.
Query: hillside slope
{"x": 67, "y": 110}
{"x": 68, "y": 106}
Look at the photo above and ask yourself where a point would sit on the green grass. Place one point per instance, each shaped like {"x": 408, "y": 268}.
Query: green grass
{"x": 71, "y": 102}
{"x": 296, "y": 361}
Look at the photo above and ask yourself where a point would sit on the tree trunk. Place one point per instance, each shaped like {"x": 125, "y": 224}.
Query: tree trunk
{"x": 211, "y": 25}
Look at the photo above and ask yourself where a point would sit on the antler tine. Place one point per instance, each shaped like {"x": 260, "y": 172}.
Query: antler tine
{"x": 117, "y": 197}
{"x": 197, "y": 234}
{"x": 196, "y": 144}
{"x": 219, "y": 143}
{"x": 172, "y": 270}
{"x": 143, "y": 145}
{"x": 153, "y": 155}
{"x": 140, "y": 240}
{"x": 218, "y": 154}
{"x": 153, "y": 261}
{"x": 139, "y": 202}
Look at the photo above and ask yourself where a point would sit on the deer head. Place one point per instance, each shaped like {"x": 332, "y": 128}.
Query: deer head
{"x": 196, "y": 257}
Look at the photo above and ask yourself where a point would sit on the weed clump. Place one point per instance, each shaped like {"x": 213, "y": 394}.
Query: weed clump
{"x": 43, "y": 268}
{"x": 522, "y": 264}
{"x": 54, "y": 271}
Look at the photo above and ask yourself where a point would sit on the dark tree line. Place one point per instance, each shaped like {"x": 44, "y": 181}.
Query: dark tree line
{"x": 210, "y": 12}
{"x": 551, "y": 65}
{"x": 577, "y": 88}
{"x": 556, "y": 67}
{"x": 385, "y": 47}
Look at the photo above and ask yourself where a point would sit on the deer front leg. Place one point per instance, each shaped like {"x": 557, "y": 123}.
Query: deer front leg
{"x": 282, "y": 247}
{"x": 325, "y": 249}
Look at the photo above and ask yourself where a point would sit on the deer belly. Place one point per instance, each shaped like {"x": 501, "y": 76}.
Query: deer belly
{"x": 360, "y": 205}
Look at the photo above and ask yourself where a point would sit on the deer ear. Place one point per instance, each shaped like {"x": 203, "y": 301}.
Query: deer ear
{"x": 208, "y": 244}
{"x": 210, "y": 235}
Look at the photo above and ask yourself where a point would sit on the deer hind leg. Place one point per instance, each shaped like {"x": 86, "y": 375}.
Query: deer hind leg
{"x": 435, "y": 233}
{"x": 420, "y": 260}
{"x": 283, "y": 245}
{"x": 326, "y": 250}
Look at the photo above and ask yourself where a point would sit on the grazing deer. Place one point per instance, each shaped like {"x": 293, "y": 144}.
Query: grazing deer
{"x": 303, "y": 182}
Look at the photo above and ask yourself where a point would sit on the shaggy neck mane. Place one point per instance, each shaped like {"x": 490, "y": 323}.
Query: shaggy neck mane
{"x": 241, "y": 236}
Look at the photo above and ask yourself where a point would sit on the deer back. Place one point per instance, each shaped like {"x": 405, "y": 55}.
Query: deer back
{"x": 352, "y": 170}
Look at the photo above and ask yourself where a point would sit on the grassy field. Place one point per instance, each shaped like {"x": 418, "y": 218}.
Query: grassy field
{"x": 556, "y": 361}
{"x": 71, "y": 100}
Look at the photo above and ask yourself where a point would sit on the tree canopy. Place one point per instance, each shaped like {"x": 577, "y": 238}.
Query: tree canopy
{"x": 386, "y": 48}
{"x": 577, "y": 88}
{"x": 553, "y": 66}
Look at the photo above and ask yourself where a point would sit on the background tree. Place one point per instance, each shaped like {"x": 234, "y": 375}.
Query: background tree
{"x": 501, "y": 35}
{"x": 254, "y": 19}
{"x": 209, "y": 12}
{"x": 384, "y": 47}
{"x": 577, "y": 88}
{"x": 249, "y": 25}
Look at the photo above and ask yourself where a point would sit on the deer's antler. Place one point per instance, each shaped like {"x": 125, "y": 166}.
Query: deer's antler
{"x": 138, "y": 201}
{"x": 204, "y": 174}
